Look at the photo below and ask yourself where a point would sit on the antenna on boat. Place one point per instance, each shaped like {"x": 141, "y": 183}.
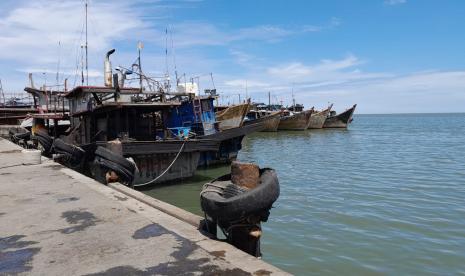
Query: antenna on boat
{"x": 58, "y": 64}
{"x": 82, "y": 65}
{"x": 87, "y": 58}
{"x": 269, "y": 99}
{"x": 246, "y": 90}
{"x": 174, "y": 57}
{"x": 140, "y": 46}
{"x": 166, "y": 56}
{"x": 213, "y": 82}
{"x": 293, "y": 99}
{"x": 1, "y": 90}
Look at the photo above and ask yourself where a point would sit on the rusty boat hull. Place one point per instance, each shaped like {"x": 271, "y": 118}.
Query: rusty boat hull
{"x": 341, "y": 120}
{"x": 152, "y": 158}
{"x": 232, "y": 116}
{"x": 270, "y": 122}
{"x": 317, "y": 120}
{"x": 298, "y": 121}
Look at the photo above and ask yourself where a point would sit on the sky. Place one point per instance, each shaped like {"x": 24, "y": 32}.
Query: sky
{"x": 388, "y": 56}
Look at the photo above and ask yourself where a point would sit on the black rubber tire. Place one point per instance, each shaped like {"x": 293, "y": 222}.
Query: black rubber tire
{"x": 115, "y": 158}
{"x": 11, "y": 134}
{"x": 46, "y": 145}
{"x": 124, "y": 174}
{"x": 44, "y": 139}
{"x": 26, "y": 136}
{"x": 256, "y": 201}
{"x": 74, "y": 153}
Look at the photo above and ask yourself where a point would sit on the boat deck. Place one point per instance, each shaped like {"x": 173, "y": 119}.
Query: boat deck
{"x": 54, "y": 221}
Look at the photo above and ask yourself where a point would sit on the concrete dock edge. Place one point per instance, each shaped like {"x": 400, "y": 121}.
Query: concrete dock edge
{"x": 56, "y": 221}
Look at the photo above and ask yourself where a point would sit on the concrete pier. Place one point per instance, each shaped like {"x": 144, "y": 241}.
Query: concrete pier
{"x": 55, "y": 221}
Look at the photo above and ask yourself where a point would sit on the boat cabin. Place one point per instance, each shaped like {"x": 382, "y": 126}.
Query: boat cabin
{"x": 196, "y": 115}
{"x": 296, "y": 108}
{"x": 48, "y": 100}
{"x": 105, "y": 113}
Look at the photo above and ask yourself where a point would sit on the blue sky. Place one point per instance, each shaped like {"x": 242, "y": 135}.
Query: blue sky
{"x": 388, "y": 56}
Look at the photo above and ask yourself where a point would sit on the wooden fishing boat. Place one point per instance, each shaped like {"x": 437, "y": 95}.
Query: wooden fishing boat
{"x": 102, "y": 118}
{"x": 295, "y": 121}
{"x": 232, "y": 116}
{"x": 341, "y": 120}
{"x": 197, "y": 114}
{"x": 270, "y": 119}
{"x": 318, "y": 119}
{"x": 15, "y": 108}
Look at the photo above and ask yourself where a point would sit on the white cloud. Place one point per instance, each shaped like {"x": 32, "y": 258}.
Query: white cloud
{"x": 37, "y": 34}
{"x": 325, "y": 70}
{"x": 188, "y": 34}
{"x": 243, "y": 83}
{"x": 34, "y": 30}
{"x": 343, "y": 83}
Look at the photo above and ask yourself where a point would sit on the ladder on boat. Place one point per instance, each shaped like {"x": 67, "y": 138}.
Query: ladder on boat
{"x": 197, "y": 110}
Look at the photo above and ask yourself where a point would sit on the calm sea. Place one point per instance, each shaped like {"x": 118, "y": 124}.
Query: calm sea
{"x": 386, "y": 196}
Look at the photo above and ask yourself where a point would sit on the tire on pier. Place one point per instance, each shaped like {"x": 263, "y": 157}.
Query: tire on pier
{"x": 229, "y": 203}
{"x": 114, "y": 162}
{"x": 44, "y": 139}
{"x": 73, "y": 154}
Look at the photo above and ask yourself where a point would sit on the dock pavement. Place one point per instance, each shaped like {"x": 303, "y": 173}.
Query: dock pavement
{"x": 55, "y": 221}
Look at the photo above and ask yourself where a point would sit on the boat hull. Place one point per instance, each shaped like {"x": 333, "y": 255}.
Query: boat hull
{"x": 152, "y": 158}
{"x": 270, "y": 122}
{"x": 152, "y": 165}
{"x": 341, "y": 120}
{"x": 297, "y": 121}
{"x": 230, "y": 144}
{"x": 317, "y": 120}
{"x": 232, "y": 116}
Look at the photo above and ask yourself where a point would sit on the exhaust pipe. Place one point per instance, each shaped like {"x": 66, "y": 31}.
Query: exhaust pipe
{"x": 107, "y": 69}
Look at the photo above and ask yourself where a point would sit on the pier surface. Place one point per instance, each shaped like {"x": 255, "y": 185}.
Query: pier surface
{"x": 55, "y": 221}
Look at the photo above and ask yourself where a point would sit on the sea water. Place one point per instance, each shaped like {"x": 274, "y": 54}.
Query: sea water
{"x": 386, "y": 196}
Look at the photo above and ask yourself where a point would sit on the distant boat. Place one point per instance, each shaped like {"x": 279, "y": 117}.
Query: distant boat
{"x": 232, "y": 116}
{"x": 318, "y": 119}
{"x": 340, "y": 120}
{"x": 14, "y": 109}
{"x": 295, "y": 121}
{"x": 271, "y": 119}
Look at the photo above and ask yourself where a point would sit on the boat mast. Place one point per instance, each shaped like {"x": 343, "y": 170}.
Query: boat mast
{"x": 166, "y": 59}
{"x": 293, "y": 99}
{"x": 269, "y": 100}
{"x": 87, "y": 58}
{"x": 139, "y": 47}
{"x": 1, "y": 90}
{"x": 174, "y": 57}
{"x": 246, "y": 91}
{"x": 82, "y": 66}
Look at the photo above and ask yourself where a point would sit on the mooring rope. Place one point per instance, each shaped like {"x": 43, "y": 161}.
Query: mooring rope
{"x": 167, "y": 169}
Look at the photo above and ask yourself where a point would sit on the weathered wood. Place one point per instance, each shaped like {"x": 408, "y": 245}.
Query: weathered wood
{"x": 318, "y": 119}
{"x": 298, "y": 121}
{"x": 341, "y": 120}
{"x": 270, "y": 121}
{"x": 232, "y": 116}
